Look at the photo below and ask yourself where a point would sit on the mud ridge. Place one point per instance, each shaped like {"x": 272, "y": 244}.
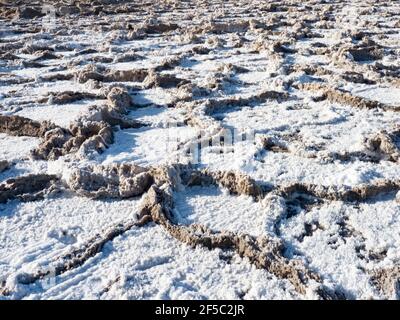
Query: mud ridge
{"x": 346, "y": 98}
{"x": 114, "y": 181}
{"x": 93, "y": 132}
{"x": 20, "y": 126}
{"x": 28, "y": 188}
{"x": 359, "y": 193}
{"x": 236, "y": 183}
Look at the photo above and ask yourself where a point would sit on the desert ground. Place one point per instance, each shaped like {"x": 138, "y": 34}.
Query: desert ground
{"x": 199, "y": 149}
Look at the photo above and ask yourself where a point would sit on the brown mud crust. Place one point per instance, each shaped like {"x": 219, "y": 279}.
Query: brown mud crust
{"x": 28, "y": 188}
{"x": 340, "y": 96}
{"x": 385, "y": 144}
{"x": 20, "y": 126}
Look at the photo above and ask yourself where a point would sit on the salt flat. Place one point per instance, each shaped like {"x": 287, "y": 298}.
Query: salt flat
{"x": 200, "y": 149}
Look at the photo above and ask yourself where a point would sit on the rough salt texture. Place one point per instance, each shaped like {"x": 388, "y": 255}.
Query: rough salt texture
{"x": 199, "y": 150}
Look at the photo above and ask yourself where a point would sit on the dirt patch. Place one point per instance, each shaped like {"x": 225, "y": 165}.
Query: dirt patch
{"x": 360, "y": 54}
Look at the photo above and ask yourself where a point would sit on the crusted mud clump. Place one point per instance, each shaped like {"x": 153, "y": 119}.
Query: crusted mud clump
{"x": 101, "y": 74}
{"x": 112, "y": 117}
{"x": 384, "y": 145}
{"x": 155, "y": 79}
{"x": 236, "y": 183}
{"x": 95, "y": 137}
{"x": 359, "y": 54}
{"x": 27, "y": 188}
{"x": 115, "y": 181}
{"x": 119, "y": 99}
{"x": 346, "y": 98}
{"x": 20, "y": 126}
{"x": 70, "y": 97}
{"x": 387, "y": 281}
{"x": 84, "y": 138}
{"x": 135, "y": 75}
{"x": 214, "y": 105}
{"x": 90, "y": 72}
{"x": 273, "y": 144}
{"x": 93, "y": 132}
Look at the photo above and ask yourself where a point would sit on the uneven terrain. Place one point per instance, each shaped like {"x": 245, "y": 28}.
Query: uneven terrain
{"x": 199, "y": 149}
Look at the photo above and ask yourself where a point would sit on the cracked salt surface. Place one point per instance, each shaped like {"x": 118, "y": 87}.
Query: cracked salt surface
{"x": 299, "y": 140}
